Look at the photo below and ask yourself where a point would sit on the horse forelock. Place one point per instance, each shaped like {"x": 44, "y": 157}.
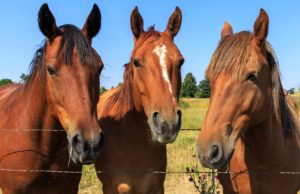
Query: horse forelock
{"x": 231, "y": 56}
{"x": 71, "y": 38}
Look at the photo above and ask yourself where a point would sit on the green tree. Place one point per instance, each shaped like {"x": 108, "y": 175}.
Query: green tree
{"x": 5, "y": 81}
{"x": 24, "y": 77}
{"x": 203, "y": 89}
{"x": 189, "y": 86}
{"x": 102, "y": 90}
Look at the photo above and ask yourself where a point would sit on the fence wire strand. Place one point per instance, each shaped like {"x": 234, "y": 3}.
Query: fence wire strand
{"x": 145, "y": 172}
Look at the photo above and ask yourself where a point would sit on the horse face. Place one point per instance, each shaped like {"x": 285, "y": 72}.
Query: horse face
{"x": 156, "y": 76}
{"x": 72, "y": 82}
{"x": 241, "y": 96}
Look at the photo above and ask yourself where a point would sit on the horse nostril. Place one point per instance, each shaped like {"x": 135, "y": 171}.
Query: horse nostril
{"x": 155, "y": 118}
{"x": 86, "y": 147}
{"x": 76, "y": 140}
{"x": 179, "y": 113}
{"x": 156, "y": 122}
{"x": 155, "y": 115}
{"x": 214, "y": 154}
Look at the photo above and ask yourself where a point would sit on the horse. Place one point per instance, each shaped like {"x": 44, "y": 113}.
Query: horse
{"x": 142, "y": 115}
{"x": 52, "y": 118}
{"x": 250, "y": 132}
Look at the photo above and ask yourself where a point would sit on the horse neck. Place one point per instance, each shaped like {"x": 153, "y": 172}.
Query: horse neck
{"x": 39, "y": 116}
{"x": 35, "y": 102}
{"x": 264, "y": 144}
{"x": 132, "y": 117}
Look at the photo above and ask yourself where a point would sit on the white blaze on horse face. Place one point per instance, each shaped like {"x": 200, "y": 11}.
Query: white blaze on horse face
{"x": 161, "y": 51}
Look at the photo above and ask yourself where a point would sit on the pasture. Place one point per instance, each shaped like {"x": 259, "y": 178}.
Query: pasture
{"x": 181, "y": 154}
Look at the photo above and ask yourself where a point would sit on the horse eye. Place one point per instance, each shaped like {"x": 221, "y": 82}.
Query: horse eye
{"x": 52, "y": 72}
{"x": 136, "y": 63}
{"x": 251, "y": 77}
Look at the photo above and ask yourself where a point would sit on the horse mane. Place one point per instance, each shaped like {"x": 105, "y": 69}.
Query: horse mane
{"x": 71, "y": 37}
{"x": 123, "y": 99}
{"x": 231, "y": 55}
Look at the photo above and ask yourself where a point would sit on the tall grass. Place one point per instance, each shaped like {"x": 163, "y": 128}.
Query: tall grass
{"x": 192, "y": 117}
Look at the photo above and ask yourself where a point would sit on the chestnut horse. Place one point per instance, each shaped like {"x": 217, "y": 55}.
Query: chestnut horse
{"x": 61, "y": 93}
{"x": 250, "y": 129}
{"x": 142, "y": 115}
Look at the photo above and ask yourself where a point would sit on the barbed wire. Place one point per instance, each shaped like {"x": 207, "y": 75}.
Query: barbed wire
{"x": 144, "y": 172}
{"x": 62, "y": 130}
{"x": 148, "y": 172}
{"x": 31, "y": 130}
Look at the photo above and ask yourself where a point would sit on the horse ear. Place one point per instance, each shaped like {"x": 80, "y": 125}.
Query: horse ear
{"x": 47, "y": 22}
{"x": 93, "y": 23}
{"x": 261, "y": 27}
{"x": 227, "y": 30}
{"x": 137, "y": 23}
{"x": 174, "y": 23}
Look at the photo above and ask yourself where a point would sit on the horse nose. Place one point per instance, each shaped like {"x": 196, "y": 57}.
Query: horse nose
{"x": 87, "y": 151}
{"x": 179, "y": 116}
{"x": 157, "y": 123}
{"x": 77, "y": 143}
{"x": 215, "y": 154}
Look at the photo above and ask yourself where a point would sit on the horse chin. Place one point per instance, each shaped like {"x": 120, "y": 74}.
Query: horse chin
{"x": 164, "y": 139}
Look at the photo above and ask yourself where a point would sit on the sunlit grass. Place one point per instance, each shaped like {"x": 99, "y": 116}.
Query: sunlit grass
{"x": 192, "y": 117}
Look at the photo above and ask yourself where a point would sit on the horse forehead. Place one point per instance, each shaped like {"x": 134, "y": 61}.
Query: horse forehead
{"x": 166, "y": 52}
{"x": 52, "y": 47}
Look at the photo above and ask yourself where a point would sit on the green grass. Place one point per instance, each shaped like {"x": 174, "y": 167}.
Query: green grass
{"x": 192, "y": 117}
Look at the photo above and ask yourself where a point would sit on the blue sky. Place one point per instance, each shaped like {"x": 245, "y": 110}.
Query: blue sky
{"x": 197, "y": 39}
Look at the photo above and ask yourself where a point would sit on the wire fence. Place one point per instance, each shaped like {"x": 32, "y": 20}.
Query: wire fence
{"x": 150, "y": 172}
{"x": 144, "y": 172}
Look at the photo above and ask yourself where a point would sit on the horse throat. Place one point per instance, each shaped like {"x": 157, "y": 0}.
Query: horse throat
{"x": 262, "y": 144}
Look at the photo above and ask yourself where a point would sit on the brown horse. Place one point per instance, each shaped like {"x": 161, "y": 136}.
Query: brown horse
{"x": 61, "y": 93}
{"x": 250, "y": 129}
{"x": 142, "y": 115}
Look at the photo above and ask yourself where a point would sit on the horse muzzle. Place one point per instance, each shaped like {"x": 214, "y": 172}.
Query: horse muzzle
{"x": 84, "y": 150}
{"x": 164, "y": 131}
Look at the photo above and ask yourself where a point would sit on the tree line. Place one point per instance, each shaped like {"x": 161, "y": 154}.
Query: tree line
{"x": 190, "y": 88}
{"x": 23, "y": 78}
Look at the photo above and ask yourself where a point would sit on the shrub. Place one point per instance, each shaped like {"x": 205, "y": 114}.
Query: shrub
{"x": 205, "y": 183}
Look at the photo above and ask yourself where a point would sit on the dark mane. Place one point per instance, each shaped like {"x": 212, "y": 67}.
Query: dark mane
{"x": 123, "y": 97}
{"x": 71, "y": 37}
{"x": 231, "y": 56}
